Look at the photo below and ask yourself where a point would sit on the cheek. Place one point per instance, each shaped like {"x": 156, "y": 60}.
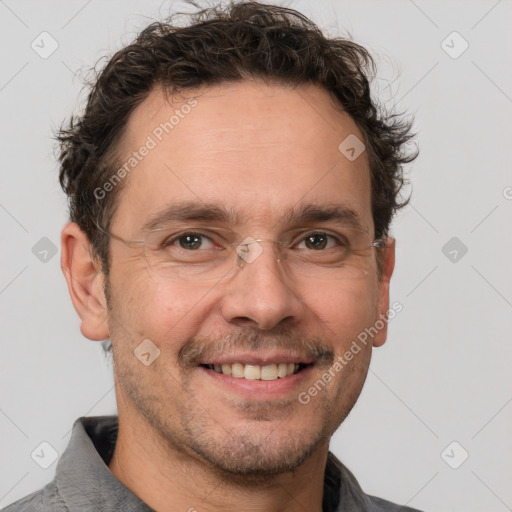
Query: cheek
{"x": 345, "y": 309}
{"x": 167, "y": 313}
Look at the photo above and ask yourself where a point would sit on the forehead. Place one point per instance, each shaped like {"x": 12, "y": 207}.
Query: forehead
{"x": 249, "y": 147}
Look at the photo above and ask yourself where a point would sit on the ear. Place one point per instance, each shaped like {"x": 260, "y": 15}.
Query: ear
{"x": 85, "y": 282}
{"x": 383, "y": 287}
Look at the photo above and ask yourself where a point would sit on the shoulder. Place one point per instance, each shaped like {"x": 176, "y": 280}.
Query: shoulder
{"x": 380, "y": 505}
{"x": 343, "y": 492}
{"x": 46, "y": 499}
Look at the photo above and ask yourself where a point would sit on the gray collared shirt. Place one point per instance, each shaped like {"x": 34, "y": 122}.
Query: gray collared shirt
{"x": 83, "y": 481}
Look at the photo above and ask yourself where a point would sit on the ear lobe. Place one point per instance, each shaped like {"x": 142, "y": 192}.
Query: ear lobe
{"x": 85, "y": 282}
{"x": 383, "y": 286}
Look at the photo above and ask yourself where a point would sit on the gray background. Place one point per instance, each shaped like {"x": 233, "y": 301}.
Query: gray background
{"x": 443, "y": 375}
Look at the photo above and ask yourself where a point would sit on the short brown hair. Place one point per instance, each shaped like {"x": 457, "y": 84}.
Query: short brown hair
{"x": 243, "y": 40}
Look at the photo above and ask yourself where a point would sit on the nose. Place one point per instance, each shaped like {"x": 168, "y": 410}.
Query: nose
{"x": 260, "y": 293}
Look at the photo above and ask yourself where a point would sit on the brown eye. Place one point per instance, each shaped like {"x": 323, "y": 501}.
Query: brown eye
{"x": 191, "y": 241}
{"x": 316, "y": 241}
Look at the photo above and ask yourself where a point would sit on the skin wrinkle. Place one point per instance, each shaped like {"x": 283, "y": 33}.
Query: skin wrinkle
{"x": 180, "y": 433}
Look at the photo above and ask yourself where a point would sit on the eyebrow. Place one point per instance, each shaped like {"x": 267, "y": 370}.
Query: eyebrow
{"x": 191, "y": 211}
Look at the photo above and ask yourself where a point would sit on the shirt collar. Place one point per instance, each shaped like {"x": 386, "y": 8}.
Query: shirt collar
{"x": 85, "y": 482}
{"x": 82, "y": 475}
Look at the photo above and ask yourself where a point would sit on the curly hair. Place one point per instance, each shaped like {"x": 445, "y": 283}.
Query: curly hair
{"x": 226, "y": 43}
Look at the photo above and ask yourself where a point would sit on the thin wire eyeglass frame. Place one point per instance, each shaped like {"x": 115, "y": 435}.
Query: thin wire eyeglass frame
{"x": 242, "y": 248}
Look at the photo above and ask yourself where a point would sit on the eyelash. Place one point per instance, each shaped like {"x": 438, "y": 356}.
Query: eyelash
{"x": 339, "y": 239}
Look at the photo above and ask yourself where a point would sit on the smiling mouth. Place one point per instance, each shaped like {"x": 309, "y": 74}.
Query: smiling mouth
{"x": 267, "y": 372}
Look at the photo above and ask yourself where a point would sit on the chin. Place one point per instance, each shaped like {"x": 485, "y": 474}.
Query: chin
{"x": 257, "y": 453}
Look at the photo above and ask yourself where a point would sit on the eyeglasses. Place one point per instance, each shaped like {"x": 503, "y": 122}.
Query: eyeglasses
{"x": 213, "y": 254}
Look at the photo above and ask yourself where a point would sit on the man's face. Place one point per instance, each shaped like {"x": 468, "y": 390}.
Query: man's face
{"x": 259, "y": 152}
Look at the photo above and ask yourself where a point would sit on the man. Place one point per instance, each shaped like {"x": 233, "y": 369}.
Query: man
{"x": 231, "y": 186}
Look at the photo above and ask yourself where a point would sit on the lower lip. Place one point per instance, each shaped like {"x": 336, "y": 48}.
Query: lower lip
{"x": 260, "y": 389}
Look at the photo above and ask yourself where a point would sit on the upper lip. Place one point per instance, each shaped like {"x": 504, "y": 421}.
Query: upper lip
{"x": 268, "y": 357}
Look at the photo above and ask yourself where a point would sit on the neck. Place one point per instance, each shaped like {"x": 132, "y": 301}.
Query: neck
{"x": 169, "y": 479}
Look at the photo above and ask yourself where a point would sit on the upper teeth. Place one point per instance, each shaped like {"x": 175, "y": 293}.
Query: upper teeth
{"x": 255, "y": 371}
